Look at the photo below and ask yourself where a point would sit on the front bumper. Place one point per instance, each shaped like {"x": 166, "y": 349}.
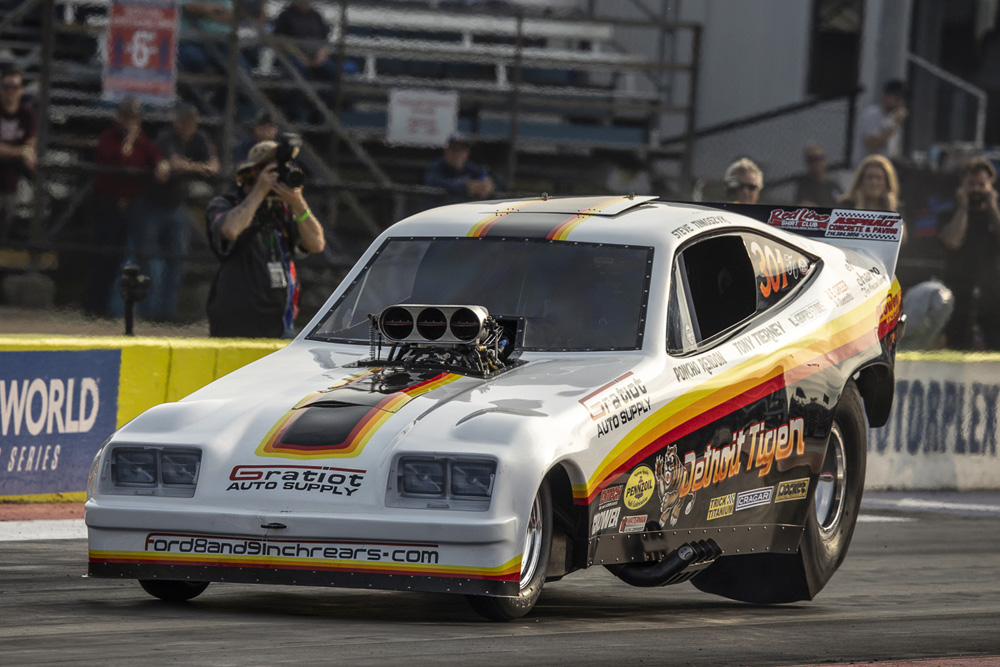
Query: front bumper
{"x": 435, "y": 551}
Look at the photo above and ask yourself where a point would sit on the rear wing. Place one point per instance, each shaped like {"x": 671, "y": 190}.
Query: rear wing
{"x": 873, "y": 233}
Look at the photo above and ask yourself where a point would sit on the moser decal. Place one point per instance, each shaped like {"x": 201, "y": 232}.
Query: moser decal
{"x": 604, "y": 520}
{"x": 633, "y": 524}
{"x": 639, "y": 488}
{"x": 311, "y": 479}
{"x": 56, "y": 408}
{"x": 795, "y": 489}
{"x": 610, "y": 496}
{"x": 754, "y": 498}
{"x": 721, "y": 506}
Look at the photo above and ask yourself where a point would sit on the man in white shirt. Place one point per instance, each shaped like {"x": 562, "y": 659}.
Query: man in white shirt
{"x": 878, "y": 126}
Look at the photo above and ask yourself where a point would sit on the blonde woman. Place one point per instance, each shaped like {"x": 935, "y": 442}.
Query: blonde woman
{"x": 874, "y": 186}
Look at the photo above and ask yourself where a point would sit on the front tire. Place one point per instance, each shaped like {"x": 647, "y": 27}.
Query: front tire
{"x": 534, "y": 564}
{"x": 170, "y": 590}
{"x": 833, "y": 514}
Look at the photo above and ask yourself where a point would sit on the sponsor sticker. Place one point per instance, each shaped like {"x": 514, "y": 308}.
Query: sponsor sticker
{"x": 633, "y": 524}
{"x": 807, "y": 314}
{"x": 802, "y": 218}
{"x": 721, "y": 506}
{"x": 876, "y": 226}
{"x": 617, "y": 403}
{"x": 640, "y": 487}
{"x": 610, "y": 496}
{"x": 795, "y": 489}
{"x": 754, "y": 498}
{"x": 303, "y": 478}
{"x": 604, "y": 520}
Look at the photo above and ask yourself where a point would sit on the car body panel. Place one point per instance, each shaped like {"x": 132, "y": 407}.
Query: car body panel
{"x": 300, "y": 449}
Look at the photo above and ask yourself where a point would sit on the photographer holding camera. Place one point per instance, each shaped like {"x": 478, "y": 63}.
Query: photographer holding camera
{"x": 257, "y": 232}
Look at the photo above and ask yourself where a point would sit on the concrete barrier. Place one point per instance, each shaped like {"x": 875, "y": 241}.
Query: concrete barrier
{"x": 61, "y": 397}
{"x": 944, "y": 426}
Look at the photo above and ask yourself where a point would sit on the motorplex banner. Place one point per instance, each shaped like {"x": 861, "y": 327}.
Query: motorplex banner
{"x": 943, "y": 429}
{"x": 56, "y": 408}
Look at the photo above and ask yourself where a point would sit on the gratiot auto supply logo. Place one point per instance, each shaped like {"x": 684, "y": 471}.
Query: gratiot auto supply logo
{"x": 302, "y": 478}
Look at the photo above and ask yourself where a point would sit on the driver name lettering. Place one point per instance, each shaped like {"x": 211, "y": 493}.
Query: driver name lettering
{"x": 311, "y": 479}
{"x": 763, "y": 336}
{"x": 707, "y": 364}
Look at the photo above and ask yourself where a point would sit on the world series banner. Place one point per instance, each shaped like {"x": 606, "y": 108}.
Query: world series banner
{"x": 56, "y": 409}
{"x": 141, "y": 51}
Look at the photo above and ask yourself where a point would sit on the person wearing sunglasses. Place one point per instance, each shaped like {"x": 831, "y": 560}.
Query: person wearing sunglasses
{"x": 744, "y": 181}
{"x": 17, "y": 144}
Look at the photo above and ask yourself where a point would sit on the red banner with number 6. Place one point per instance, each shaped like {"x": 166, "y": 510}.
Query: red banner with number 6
{"x": 141, "y": 51}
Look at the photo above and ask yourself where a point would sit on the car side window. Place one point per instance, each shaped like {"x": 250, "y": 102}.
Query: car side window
{"x": 724, "y": 280}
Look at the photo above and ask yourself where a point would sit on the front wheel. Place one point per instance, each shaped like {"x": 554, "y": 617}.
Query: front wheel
{"x": 173, "y": 591}
{"x": 776, "y": 578}
{"x": 534, "y": 563}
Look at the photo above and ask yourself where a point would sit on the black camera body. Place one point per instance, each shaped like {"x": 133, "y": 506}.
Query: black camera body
{"x": 288, "y": 148}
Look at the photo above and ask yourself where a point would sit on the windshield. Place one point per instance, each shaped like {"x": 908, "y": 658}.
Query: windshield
{"x": 570, "y": 296}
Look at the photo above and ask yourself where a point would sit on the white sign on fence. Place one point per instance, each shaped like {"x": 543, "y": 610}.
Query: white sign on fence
{"x": 944, "y": 429}
{"x": 421, "y": 117}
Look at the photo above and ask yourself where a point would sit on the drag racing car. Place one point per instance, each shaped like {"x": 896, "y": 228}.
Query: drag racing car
{"x": 501, "y": 393}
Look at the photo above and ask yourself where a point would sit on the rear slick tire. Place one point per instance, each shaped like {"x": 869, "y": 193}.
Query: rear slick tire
{"x": 833, "y": 513}
{"x": 170, "y": 590}
{"x": 534, "y": 563}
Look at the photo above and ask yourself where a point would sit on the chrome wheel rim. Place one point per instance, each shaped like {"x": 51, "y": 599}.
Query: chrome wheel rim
{"x": 532, "y": 544}
{"x": 829, "y": 497}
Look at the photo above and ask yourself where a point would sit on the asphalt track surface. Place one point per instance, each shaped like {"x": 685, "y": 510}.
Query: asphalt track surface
{"x": 921, "y": 585}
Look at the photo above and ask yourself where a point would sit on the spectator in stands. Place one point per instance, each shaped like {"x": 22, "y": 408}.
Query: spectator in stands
{"x": 744, "y": 180}
{"x": 970, "y": 234}
{"x": 874, "y": 186}
{"x": 263, "y": 128}
{"x": 878, "y": 128}
{"x": 205, "y": 27}
{"x": 17, "y": 144}
{"x": 462, "y": 179}
{"x": 312, "y": 56}
{"x": 116, "y": 205}
{"x": 815, "y": 188}
{"x": 159, "y": 240}
{"x": 257, "y": 232}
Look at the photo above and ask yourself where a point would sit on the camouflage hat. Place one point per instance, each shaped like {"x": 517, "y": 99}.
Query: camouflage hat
{"x": 261, "y": 153}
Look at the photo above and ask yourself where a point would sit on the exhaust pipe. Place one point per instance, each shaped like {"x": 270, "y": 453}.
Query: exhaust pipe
{"x": 671, "y": 569}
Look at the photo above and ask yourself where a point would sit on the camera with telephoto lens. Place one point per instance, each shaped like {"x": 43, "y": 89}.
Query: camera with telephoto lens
{"x": 289, "y": 145}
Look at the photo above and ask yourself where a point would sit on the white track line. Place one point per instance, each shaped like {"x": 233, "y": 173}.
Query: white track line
{"x": 63, "y": 529}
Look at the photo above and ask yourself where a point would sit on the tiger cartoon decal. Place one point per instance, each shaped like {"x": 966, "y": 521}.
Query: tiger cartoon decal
{"x": 668, "y": 483}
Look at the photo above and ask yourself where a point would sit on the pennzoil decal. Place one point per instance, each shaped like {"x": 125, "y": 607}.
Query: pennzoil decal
{"x": 639, "y": 488}
{"x": 795, "y": 489}
{"x": 721, "y": 506}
